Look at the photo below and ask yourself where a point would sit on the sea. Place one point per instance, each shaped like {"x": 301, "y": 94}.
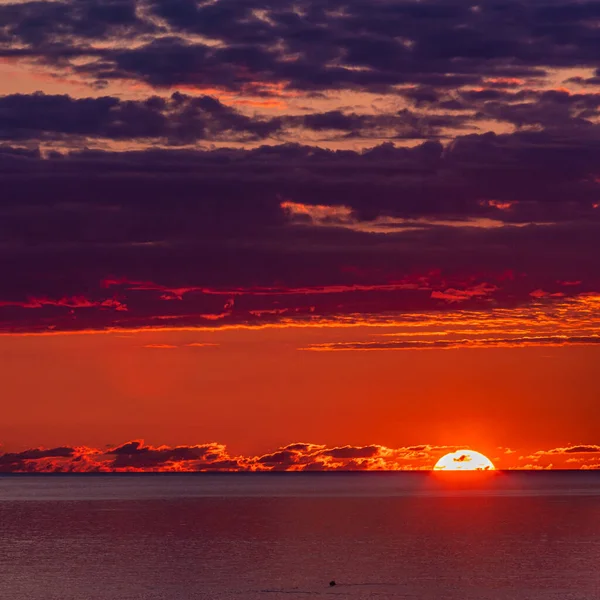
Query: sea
{"x": 425, "y": 536}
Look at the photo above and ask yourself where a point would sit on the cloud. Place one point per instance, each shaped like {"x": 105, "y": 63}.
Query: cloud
{"x": 581, "y": 449}
{"x": 291, "y": 232}
{"x": 135, "y": 455}
{"x": 177, "y": 120}
{"x": 45, "y": 25}
{"x": 63, "y": 458}
{"x": 161, "y": 346}
{"x": 181, "y": 119}
{"x": 452, "y": 295}
{"x": 69, "y": 303}
{"x": 505, "y": 342}
{"x": 315, "y": 234}
{"x": 353, "y": 452}
{"x": 241, "y": 46}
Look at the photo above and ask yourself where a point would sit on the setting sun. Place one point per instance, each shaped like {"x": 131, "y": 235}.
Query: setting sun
{"x": 464, "y": 460}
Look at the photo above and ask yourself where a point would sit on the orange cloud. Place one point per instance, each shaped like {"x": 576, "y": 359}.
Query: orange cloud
{"x": 160, "y": 346}
{"x": 405, "y": 344}
{"x": 135, "y": 455}
{"x": 318, "y": 214}
{"x": 581, "y": 449}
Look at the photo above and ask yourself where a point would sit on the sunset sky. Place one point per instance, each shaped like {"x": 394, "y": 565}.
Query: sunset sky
{"x": 303, "y": 235}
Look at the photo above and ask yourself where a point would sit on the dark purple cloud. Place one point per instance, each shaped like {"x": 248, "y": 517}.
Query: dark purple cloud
{"x": 180, "y": 119}
{"x": 180, "y": 237}
{"x": 52, "y": 25}
{"x": 305, "y": 45}
{"x": 173, "y": 235}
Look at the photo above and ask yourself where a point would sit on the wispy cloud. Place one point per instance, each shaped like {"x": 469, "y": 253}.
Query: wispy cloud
{"x": 506, "y": 342}
{"x": 161, "y": 346}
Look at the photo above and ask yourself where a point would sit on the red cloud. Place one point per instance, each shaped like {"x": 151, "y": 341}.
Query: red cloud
{"x": 482, "y": 290}
{"x": 68, "y": 302}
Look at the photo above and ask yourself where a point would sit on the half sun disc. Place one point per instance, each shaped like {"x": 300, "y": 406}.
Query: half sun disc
{"x": 464, "y": 460}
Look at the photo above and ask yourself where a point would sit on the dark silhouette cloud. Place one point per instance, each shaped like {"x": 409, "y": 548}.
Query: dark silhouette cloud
{"x": 49, "y": 26}
{"x": 180, "y": 119}
{"x": 136, "y": 455}
{"x": 29, "y": 459}
{"x": 352, "y": 452}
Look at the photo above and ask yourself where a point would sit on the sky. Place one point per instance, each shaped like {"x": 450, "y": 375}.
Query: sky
{"x": 299, "y": 235}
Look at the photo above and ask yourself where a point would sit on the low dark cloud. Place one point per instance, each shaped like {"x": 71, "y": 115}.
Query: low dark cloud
{"x": 30, "y": 459}
{"x": 352, "y": 452}
{"x": 136, "y": 456}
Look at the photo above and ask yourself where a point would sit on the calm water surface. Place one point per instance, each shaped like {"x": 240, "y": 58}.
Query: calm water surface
{"x": 512, "y": 536}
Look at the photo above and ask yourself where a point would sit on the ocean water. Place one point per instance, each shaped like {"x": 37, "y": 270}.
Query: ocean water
{"x": 510, "y": 536}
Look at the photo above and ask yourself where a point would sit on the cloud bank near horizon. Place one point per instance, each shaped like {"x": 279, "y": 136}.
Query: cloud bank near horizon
{"x": 136, "y": 456}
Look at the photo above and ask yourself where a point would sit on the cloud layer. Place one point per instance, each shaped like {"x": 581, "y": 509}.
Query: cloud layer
{"x": 241, "y": 163}
{"x": 136, "y": 456}
{"x": 180, "y": 237}
{"x": 307, "y": 46}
